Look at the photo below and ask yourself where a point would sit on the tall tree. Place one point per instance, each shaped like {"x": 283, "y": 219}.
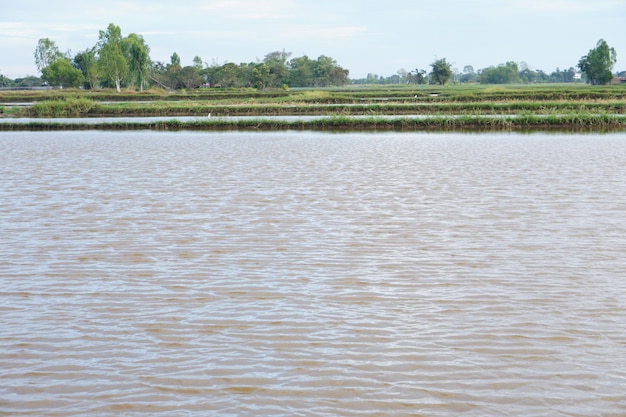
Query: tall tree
{"x": 301, "y": 72}
{"x": 468, "y": 75}
{"x": 46, "y": 53}
{"x": 442, "y": 71}
{"x": 86, "y": 62}
{"x": 257, "y": 74}
{"x": 112, "y": 64}
{"x": 598, "y": 63}
{"x": 321, "y": 71}
{"x": 277, "y": 64}
{"x": 138, "y": 57}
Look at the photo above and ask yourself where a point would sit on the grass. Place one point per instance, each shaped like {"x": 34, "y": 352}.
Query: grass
{"x": 575, "y": 121}
{"x": 475, "y": 106}
{"x": 85, "y": 107}
{"x": 65, "y": 107}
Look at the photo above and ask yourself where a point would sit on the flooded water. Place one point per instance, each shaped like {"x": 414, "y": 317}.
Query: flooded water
{"x": 312, "y": 274}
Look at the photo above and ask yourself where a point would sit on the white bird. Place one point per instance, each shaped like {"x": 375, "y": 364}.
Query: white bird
{"x": 209, "y": 115}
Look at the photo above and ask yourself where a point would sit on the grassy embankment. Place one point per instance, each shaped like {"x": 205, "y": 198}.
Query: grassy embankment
{"x": 381, "y": 108}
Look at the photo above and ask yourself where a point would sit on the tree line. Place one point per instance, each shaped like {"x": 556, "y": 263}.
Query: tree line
{"x": 594, "y": 68}
{"x": 124, "y": 62}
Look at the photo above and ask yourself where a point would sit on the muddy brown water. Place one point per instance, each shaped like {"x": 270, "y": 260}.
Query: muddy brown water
{"x": 312, "y": 274}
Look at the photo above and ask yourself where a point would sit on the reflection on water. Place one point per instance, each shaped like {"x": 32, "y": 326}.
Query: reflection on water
{"x": 312, "y": 274}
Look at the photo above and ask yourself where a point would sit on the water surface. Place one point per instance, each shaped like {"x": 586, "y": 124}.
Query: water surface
{"x": 320, "y": 274}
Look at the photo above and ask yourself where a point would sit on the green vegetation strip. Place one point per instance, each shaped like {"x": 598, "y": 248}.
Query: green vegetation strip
{"x": 580, "y": 121}
{"x": 75, "y": 107}
{"x": 350, "y": 94}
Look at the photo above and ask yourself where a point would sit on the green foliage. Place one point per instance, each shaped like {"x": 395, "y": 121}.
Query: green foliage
{"x": 502, "y": 74}
{"x": 175, "y": 59}
{"x": 190, "y": 77}
{"x": 277, "y": 64}
{"x": 86, "y": 62}
{"x": 46, "y": 53}
{"x": 197, "y": 63}
{"x": 137, "y": 55}
{"x": 61, "y": 73}
{"x": 441, "y": 72}
{"x": 598, "y": 63}
{"x": 275, "y": 72}
{"x": 29, "y": 81}
{"x": 112, "y": 63}
{"x": 6, "y": 82}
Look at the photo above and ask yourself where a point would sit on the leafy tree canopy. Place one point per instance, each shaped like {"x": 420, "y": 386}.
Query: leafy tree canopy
{"x": 62, "y": 73}
{"x": 112, "y": 63}
{"x": 598, "y": 63}
{"x": 442, "y": 71}
{"x": 46, "y": 53}
{"x": 502, "y": 74}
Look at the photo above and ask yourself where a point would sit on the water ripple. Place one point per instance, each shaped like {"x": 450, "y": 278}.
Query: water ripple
{"x": 312, "y": 274}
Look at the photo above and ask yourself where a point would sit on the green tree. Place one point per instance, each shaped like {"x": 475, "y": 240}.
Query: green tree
{"x": 416, "y": 76}
{"x": 28, "y": 81}
{"x": 339, "y": 76}
{"x": 112, "y": 64}
{"x": 46, "y": 53}
{"x": 137, "y": 55}
{"x": 62, "y": 73}
{"x": 173, "y": 75}
{"x": 256, "y": 75}
{"x": 468, "y": 75}
{"x": 322, "y": 70}
{"x": 190, "y": 77}
{"x": 301, "y": 72}
{"x": 6, "y": 82}
{"x": 502, "y": 74}
{"x": 86, "y": 62}
{"x": 441, "y": 72}
{"x": 277, "y": 64}
{"x": 598, "y": 63}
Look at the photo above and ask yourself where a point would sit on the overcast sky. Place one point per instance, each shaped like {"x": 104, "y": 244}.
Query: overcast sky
{"x": 363, "y": 36}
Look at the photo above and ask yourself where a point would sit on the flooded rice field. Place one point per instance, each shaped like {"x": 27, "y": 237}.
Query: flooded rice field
{"x": 312, "y": 274}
